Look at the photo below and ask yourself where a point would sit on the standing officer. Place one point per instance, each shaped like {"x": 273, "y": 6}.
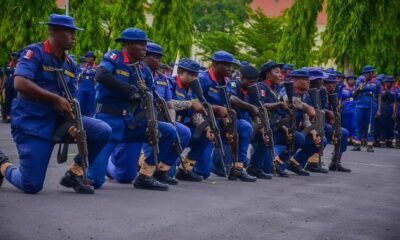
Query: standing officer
{"x": 10, "y": 92}
{"x": 385, "y": 121}
{"x": 211, "y": 81}
{"x": 3, "y": 115}
{"x": 119, "y": 75}
{"x": 347, "y": 105}
{"x": 87, "y": 84}
{"x": 368, "y": 95}
{"x": 41, "y": 109}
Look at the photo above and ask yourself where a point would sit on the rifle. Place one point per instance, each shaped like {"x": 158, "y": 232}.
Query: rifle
{"x": 319, "y": 122}
{"x": 147, "y": 104}
{"x": 337, "y": 126}
{"x": 292, "y": 117}
{"x": 76, "y": 119}
{"x": 232, "y": 127}
{"x": 163, "y": 109}
{"x": 266, "y": 130}
{"x": 211, "y": 121}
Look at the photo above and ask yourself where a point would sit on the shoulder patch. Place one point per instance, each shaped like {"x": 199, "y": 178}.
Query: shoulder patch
{"x": 113, "y": 56}
{"x": 29, "y": 54}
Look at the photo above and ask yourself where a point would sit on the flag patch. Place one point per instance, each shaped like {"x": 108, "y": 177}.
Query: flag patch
{"x": 113, "y": 56}
{"x": 29, "y": 54}
{"x": 263, "y": 93}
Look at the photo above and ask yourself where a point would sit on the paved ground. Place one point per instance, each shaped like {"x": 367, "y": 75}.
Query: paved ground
{"x": 361, "y": 205}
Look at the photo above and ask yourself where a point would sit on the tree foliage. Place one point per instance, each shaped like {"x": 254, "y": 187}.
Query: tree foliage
{"x": 362, "y": 32}
{"x": 222, "y": 15}
{"x": 260, "y": 37}
{"x": 85, "y": 14}
{"x": 299, "y": 34}
{"x": 19, "y": 24}
{"x": 172, "y": 27}
{"x": 210, "y": 42}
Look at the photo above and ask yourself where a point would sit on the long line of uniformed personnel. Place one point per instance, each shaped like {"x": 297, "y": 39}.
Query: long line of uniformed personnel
{"x": 134, "y": 121}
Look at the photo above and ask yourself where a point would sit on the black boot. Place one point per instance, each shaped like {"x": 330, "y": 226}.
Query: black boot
{"x": 370, "y": 148}
{"x": 278, "y": 170}
{"x": 188, "y": 176}
{"x": 235, "y": 173}
{"x": 163, "y": 177}
{"x": 315, "y": 167}
{"x": 71, "y": 180}
{"x": 3, "y": 159}
{"x": 389, "y": 143}
{"x": 149, "y": 183}
{"x": 258, "y": 172}
{"x": 335, "y": 164}
{"x": 357, "y": 147}
{"x": 296, "y": 168}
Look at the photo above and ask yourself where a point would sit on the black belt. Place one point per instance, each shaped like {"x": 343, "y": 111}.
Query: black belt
{"x": 111, "y": 110}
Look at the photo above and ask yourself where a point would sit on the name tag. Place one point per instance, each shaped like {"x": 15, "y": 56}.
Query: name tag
{"x": 68, "y": 73}
{"x": 351, "y": 99}
{"x": 162, "y": 83}
{"x": 179, "y": 94}
{"x": 123, "y": 73}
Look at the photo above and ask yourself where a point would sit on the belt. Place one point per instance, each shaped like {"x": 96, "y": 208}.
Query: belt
{"x": 111, "y": 110}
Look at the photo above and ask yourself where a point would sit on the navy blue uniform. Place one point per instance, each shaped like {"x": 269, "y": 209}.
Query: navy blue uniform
{"x": 33, "y": 122}
{"x": 87, "y": 91}
{"x": 348, "y": 109}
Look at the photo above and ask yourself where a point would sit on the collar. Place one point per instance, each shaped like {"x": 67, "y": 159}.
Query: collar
{"x": 244, "y": 92}
{"x": 212, "y": 74}
{"x": 126, "y": 57}
{"x": 179, "y": 82}
{"x": 48, "y": 49}
{"x": 268, "y": 83}
{"x": 90, "y": 64}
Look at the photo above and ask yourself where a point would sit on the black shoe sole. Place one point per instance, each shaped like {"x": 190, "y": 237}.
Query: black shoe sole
{"x": 234, "y": 178}
{"x": 139, "y": 186}
{"x": 84, "y": 189}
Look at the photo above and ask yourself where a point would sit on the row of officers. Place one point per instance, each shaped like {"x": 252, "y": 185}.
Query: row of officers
{"x": 254, "y": 127}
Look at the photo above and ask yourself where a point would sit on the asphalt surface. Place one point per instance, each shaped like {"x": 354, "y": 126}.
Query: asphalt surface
{"x": 364, "y": 204}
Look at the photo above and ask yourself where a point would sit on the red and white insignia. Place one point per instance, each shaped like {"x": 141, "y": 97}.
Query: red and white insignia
{"x": 263, "y": 93}
{"x": 113, "y": 56}
{"x": 29, "y": 54}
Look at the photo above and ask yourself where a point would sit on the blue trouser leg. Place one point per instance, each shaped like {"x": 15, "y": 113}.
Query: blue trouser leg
{"x": 245, "y": 131}
{"x": 216, "y": 163}
{"x": 91, "y": 107}
{"x": 185, "y": 135}
{"x": 10, "y": 94}
{"x": 34, "y": 155}
{"x": 261, "y": 157}
{"x": 280, "y": 140}
{"x": 200, "y": 151}
{"x": 97, "y": 135}
{"x": 307, "y": 150}
{"x": 348, "y": 122}
{"x": 363, "y": 116}
{"x": 343, "y": 140}
{"x": 123, "y": 162}
{"x": 83, "y": 98}
{"x": 97, "y": 170}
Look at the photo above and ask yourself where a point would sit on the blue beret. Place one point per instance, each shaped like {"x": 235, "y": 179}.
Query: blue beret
{"x": 288, "y": 67}
{"x": 14, "y": 54}
{"x": 299, "y": 73}
{"x": 90, "y": 54}
{"x": 132, "y": 34}
{"x": 154, "y": 48}
{"x": 62, "y": 21}
{"x": 350, "y": 76}
{"x": 368, "y": 69}
{"x": 222, "y": 56}
{"x": 249, "y": 72}
{"x": 189, "y": 64}
{"x": 268, "y": 66}
{"x": 317, "y": 73}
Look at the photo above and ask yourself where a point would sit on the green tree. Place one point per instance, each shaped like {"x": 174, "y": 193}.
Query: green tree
{"x": 172, "y": 27}
{"x": 19, "y": 24}
{"x": 361, "y": 33}
{"x": 86, "y": 16}
{"x": 299, "y": 34}
{"x": 260, "y": 37}
{"x": 126, "y": 14}
{"x": 217, "y": 40}
{"x": 222, "y": 15}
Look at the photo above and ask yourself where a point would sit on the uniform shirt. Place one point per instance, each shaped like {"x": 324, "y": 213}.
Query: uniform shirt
{"x": 346, "y": 96}
{"x": 211, "y": 92}
{"x": 178, "y": 92}
{"x": 271, "y": 94}
{"x": 118, "y": 64}
{"x": 37, "y": 63}
{"x": 302, "y": 119}
{"x": 388, "y": 97}
{"x": 86, "y": 78}
{"x": 369, "y": 92}
{"x": 236, "y": 90}
{"x": 160, "y": 84}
